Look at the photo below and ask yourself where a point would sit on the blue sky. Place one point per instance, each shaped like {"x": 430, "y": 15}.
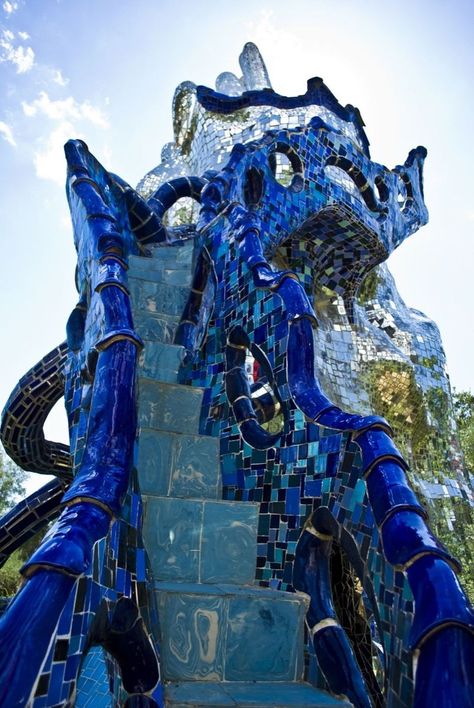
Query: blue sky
{"x": 105, "y": 71}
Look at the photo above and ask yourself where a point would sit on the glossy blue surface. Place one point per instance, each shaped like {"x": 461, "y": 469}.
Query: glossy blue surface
{"x": 291, "y": 221}
{"x": 439, "y": 599}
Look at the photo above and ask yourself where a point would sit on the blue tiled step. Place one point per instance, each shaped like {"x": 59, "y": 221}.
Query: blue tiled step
{"x": 157, "y": 298}
{"x": 169, "y": 407}
{"x": 161, "y": 271}
{"x": 177, "y": 465}
{"x": 160, "y": 361}
{"x": 200, "y": 541}
{"x": 262, "y": 694}
{"x": 230, "y": 633}
{"x": 179, "y": 254}
{"x": 156, "y": 326}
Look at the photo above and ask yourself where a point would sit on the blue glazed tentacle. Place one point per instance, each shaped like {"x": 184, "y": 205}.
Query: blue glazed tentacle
{"x": 311, "y": 575}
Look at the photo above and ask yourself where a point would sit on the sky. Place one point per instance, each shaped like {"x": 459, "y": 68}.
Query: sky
{"x": 105, "y": 71}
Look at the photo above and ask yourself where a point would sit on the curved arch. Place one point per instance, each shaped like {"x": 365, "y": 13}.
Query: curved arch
{"x": 169, "y": 193}
{"x": 282, "y": 148}
{"x": 29, "y": 516}
{"x": 359, "y": 179}
{"x": 23, "y": 418}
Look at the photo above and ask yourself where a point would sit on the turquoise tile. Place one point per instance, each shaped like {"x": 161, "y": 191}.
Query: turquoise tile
{"x": 196, "y": 467}
{"x": 262, "y": 694}
{"x": 160, "y": 361}
{"x": 205, "y": 693}
{"x": 169, "y": 407}
{"x": 155, "y": 327}
{"x": 171, "y": 254}
{"x": 264, "y": 640}
{"x": 154, "y": 297}
{"x": 171, "y": 532}
{"x": 141, "y": 267}
{"x": 179, "y": 276}
{"x": 229, "y": 542}
{"x": 281, "y": 695}
{"x": 192, "y": 642}
{"x": 154, "y": 461}
{"x": 171, "y": 464}
{"x": 164, "y": 587}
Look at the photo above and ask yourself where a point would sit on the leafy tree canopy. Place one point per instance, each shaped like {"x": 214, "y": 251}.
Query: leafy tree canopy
{"x": 12, "y": 483}
{"x": 464, "y": 412}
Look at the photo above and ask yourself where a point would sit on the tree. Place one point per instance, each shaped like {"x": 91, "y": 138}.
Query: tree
{"x": 464, "y": 412}
{"x": 12, "y": 483}
{"x": 12, "y": 486}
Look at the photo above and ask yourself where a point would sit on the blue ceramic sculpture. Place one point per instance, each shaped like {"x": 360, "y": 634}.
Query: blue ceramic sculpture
{"x": 236, "y": 344}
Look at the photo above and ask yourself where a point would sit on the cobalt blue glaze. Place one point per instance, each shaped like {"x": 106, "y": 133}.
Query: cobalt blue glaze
{"x": 388, "y": 491}
{"x": 267, "y": 248}
{"x": 104, "y": 472}
{"x": 26, "y": 629}
{"x": 68, "y": 545}
{"x": 448, "y": 655}
{"x": 337, "y": 661}
{"x": 311, "y": 575}
{"x": 405, "y": 535}
{"x": 376, "y": 446}
{"x": 439, "y": 599}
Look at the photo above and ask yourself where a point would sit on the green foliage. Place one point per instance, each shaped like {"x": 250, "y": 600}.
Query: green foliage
{"x": 464, "y": 412}
{"x": 12, "y": 483}
{"x": 10, "y": 577}
{"x": 453, "y": 523}
{"x": 368, "y": 288}
{"x": 12, "y": 486}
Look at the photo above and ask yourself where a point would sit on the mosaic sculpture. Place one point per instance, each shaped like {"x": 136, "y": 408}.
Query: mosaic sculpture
{"x": 260, "y": 338}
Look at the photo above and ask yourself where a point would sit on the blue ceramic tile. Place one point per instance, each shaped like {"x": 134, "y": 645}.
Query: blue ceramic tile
{"x": 172, "y": 534}
{"x": 264, "y": 639}
{"x": 160, "y": 361}
{"x": 193, "y": 635}
{"x": 169, "y": 407}
{"x": 229, "y": 542}
{"x": 195, "y": 470}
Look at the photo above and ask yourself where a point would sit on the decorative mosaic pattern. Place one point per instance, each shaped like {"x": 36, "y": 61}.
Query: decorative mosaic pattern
{"x": 293, "y": 343}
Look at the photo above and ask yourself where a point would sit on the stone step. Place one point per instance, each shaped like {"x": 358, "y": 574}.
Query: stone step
{"x": 169, "y": 407}
{"x": 179, "y": 253}
{"x": 177, "y": 465}
{"x": 159, "y": 271}
{"x": 261, "y": 694}
{"x": 160, "y": 361}
{"x": 230, "y": 633}
{"x": 199, "y": 540}
{"x": 157, "y": 298}
{"x": 155, "y": 326}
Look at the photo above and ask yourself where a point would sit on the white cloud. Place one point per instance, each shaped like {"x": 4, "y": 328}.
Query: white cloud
{"x": 10, "y": 7}
{"x": 20, "y": 56}
{"x": 24, "y": 36}
{"x": 49, "y": 161}
{"x": 7, "y": 133}
{"x": 67, "y": 115}
{"x": 65, "y": 109}
{"x": 59, "y": 79}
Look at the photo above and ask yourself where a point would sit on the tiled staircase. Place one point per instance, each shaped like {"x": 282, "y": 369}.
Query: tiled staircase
{"x": 224, "y": 641}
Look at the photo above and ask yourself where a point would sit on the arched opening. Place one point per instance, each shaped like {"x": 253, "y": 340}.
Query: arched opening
{"x": 286, "y": 167}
